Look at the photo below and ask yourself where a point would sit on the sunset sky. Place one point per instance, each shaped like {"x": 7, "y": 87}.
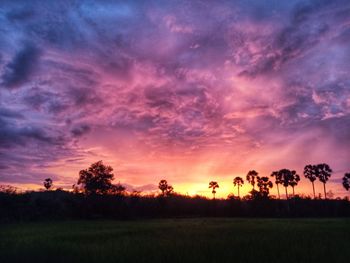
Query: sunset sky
{"x": 188, "y": 91}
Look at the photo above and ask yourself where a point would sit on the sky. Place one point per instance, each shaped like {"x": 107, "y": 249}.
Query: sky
{"x": 187, "y": 91}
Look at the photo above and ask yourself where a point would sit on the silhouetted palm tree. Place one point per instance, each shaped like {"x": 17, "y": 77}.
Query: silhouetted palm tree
{"x": 278, "y": 181}
{"x": 286, "y": 177}
{"x": 251, "y": 177}
{"x": 323, "y": 172}
{"x": 346, "y": 181}
{"x": 213, "y": 185}
{"x": 239, "y": 182}
{"x": 47, "y": 183}
{"x": 295, "y": 178}
{"x": 264, "y": 185}
{"x": 310, "y": 173}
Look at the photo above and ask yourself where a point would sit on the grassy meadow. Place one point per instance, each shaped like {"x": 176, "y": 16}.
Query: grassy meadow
{"x": 178, "y": 240}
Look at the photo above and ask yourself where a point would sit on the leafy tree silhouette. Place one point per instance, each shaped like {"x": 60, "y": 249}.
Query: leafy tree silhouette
{"x": 323, "y": 172}
{"x": 213, "y": 185}
{"x": 251, "y": 177}
{"x": 264, "y": 185}
{"x": 239, "y": 182}
{"x": 278, "y": 180}
{"x": 346, "y": 181}
{"x": 294, "y": 180}
{"x": 165, "y": 188}
{"x": 47, "y": 183}
{"x": 97, "y": 179}
{"x": 310, "y": 173}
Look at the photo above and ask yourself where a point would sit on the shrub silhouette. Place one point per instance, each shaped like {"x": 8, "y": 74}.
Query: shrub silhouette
{"x": 165, "y": 188}
{"x": 239, "y": 182}
{"x": 97, "y": 179}
{"x": 47, "y": 183}
{"x": 213, "y": 185}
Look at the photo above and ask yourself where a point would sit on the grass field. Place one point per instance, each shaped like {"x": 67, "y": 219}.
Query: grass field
{"x": 178, "y": 240}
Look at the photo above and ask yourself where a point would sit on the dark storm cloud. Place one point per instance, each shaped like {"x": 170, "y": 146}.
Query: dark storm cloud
{"x": 14, "y": 135}
{"x": 23, "y": 64}
{"x": 80, "y": 130}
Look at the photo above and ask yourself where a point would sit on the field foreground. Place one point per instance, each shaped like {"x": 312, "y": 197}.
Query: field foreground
{"x": 178, "y": 240}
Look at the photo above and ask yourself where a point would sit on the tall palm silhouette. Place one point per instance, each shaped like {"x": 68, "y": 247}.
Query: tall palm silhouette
{"x": 286, "y": 178}
{"x": 278, "y": 181}
{"x": 323, "y": 172}
{"x": 251, "y": 177}
{"x": 310, "y": 173}
{"x": 213, "y": 185}
{"x": 239, "y": 182}
{"x": 346, "y": 181}
{"x": 295, "y": 178}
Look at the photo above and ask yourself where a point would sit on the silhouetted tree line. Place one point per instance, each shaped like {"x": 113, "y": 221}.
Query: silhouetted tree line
{"x": 95, "y": 196}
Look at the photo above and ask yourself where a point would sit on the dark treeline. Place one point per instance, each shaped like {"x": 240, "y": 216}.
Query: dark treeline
{"x": 95, "y": 196}
{"x": 68, "y": 205}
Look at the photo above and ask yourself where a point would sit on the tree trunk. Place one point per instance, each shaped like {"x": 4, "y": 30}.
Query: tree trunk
{"x": 278, "y": 191}
{"x": 324, "y": 188}
{"x": 293, "y": 192}
{"x": 313, "y": 189}
{"x": 286, "y": 193}
{"x": 238, "y": 193}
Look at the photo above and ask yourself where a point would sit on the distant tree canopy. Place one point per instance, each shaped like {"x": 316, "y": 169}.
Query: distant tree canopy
{"x": 165, "y": 188}
{"x": 346, "y": 181}
{"x": 97, "y": 179}
{"x": 47, "y": 183}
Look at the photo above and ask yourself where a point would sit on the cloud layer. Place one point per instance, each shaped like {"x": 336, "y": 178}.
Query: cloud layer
{"x": 184, "y": 90}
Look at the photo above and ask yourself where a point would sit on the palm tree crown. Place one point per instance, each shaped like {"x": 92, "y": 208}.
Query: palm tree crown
{"x": 251, "y": 177}
{"x": 213, "y": 185}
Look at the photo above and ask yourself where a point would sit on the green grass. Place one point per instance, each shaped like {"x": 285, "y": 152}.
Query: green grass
{"x": 178, "y": 240}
